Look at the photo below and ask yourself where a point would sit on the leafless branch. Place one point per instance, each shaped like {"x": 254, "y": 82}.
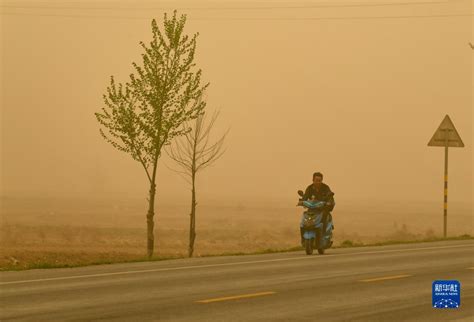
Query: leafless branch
{"x": 193, "y": 151}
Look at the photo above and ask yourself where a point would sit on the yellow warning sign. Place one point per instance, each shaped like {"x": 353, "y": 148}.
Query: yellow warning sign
{"x": 446, "y": 135}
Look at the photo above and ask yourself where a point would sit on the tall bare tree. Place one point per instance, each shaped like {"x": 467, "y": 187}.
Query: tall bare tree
{"x": 194, "y": 152}
{"x": 143, "y": 115}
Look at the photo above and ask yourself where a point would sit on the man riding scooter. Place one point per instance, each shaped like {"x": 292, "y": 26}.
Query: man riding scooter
{"x": 319, "y": 191}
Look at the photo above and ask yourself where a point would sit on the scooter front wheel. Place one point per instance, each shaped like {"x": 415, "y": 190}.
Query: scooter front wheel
{"x": 308, "y": 245}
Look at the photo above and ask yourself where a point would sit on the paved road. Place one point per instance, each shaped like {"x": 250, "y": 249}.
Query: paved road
{"x": 390, "y": 283}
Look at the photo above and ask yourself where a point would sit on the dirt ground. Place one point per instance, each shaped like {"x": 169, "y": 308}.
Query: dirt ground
{"x": 41, "y": 232}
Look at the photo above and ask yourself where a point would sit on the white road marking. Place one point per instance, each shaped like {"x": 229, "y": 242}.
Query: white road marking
{"x": 229, "y": 264}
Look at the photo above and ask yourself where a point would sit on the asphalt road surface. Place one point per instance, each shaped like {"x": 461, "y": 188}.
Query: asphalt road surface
{"x": 390, "y": 283}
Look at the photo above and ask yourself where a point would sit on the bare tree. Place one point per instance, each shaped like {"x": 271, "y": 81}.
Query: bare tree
{"x": 143, "y": 115}
{"x": 193, "y": 152}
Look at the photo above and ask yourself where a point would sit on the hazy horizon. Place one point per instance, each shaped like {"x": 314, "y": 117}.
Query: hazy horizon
{"x": 371, "y": 92}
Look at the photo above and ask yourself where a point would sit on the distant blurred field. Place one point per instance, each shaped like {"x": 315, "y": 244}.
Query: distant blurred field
{"x": 42, "y": 232}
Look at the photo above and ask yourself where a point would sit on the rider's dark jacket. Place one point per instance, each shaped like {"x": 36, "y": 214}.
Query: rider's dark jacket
{"x": 323, "y": 194}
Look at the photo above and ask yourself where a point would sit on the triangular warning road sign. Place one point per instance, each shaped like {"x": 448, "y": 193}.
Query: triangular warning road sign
{"x": 446, "y": 135}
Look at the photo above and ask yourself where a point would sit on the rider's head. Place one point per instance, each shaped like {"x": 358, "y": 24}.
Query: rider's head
{"x": 317, "y": 179}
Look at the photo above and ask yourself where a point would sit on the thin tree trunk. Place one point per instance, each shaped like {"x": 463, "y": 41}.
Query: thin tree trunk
{"x": 149, "y": 221}
{"x": 151, "y": 209}
{"x": 192, "y": 221}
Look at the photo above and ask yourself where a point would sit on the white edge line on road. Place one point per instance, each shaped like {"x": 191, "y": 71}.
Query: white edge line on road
{"x": 226, "y": 264}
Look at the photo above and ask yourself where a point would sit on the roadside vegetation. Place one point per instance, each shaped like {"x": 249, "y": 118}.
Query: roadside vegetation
{"x": 63, "y": 247}
{"x": 145, "y": 114}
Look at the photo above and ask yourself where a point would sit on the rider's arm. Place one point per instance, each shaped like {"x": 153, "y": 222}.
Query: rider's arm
{"x": 307, "y": 193}
{"x": 330, "y": 201}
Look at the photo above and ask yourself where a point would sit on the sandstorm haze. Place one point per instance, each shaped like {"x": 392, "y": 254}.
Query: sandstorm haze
{"x": 357, "y": 99}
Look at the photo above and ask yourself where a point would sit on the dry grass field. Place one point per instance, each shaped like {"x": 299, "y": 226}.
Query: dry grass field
{"x": 41, "y": 233}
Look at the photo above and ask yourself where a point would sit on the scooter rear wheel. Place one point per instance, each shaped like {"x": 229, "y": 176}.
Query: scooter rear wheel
{"x": 321, "y": 251}
{"x": 308, "y": 243}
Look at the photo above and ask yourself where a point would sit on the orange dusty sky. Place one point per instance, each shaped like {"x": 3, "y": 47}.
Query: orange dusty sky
{"x": 352, "y": 90}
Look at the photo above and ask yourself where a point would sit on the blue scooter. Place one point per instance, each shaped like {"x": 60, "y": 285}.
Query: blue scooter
{"x": 312, "y": 225}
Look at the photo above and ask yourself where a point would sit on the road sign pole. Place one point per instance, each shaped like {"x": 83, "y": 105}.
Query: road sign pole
{"x": 446, "y": 186}
{"x": 446, "y": 136}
